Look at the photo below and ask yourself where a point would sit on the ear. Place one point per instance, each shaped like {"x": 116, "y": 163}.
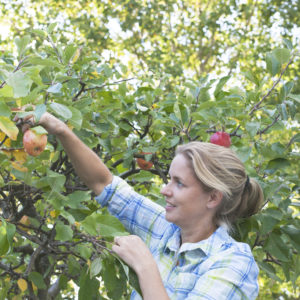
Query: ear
{"x": 215, "y": 199}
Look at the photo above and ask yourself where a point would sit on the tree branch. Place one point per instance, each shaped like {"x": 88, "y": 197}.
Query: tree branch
{"x": 269, "y": 126}
{"x": 82, "y": 89}
{"x": 18, "y": 67}
{"x": 107, "y": 84}
{"x": 32, "y": 260}
{"x": 257, "y": 105}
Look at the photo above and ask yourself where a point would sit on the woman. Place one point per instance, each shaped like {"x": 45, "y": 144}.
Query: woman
{"x": 182, "y": 251}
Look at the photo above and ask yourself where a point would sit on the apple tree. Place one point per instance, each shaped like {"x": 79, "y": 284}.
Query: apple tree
{"x": 55, "y": 240}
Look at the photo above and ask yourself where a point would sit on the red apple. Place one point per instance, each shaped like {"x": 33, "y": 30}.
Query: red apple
{"x": 34, "y": 144}
{"x": 144, "y": 164}
{"x": 221, "y": 138}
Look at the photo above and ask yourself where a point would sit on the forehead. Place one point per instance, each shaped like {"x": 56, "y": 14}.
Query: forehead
{"x": 181, "y": 166}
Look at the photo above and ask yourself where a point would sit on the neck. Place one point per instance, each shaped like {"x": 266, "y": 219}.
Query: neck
{"x": 200, "y": 234}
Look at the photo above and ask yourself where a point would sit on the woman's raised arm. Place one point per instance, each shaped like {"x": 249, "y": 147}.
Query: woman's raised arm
{"x": 86, "y": 162}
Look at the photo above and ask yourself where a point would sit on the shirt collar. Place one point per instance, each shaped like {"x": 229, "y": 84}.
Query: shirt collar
{"x": 208, "y": 246}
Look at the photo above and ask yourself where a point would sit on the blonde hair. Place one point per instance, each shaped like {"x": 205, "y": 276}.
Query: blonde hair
{"x": 219, "y": 168}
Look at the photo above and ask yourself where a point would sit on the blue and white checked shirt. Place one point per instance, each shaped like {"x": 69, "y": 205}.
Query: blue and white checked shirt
{"x": 214, "y": 269}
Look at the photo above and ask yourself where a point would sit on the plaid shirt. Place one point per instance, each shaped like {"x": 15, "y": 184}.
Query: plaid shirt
{"x": 216, "y": 268}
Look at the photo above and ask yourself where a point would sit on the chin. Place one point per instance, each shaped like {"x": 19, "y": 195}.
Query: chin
{"x": 170, "y": 219}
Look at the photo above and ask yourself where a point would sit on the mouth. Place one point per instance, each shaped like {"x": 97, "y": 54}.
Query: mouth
{"x": 169, "y": 206}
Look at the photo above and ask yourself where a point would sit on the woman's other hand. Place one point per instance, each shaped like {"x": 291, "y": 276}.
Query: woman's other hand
{"x": 134, "y": 252}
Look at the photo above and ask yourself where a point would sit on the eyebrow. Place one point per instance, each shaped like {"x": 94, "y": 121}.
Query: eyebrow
{"x": 176, "y": 177}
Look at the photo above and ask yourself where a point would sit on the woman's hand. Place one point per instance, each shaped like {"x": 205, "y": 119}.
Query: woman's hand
{"x": 137, "y": 255}
{"x": 134, "y": 252}
{"x": 48, "y": 121}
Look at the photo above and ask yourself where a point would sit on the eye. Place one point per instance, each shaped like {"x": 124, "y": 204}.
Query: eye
{"x": 179, "y": 183}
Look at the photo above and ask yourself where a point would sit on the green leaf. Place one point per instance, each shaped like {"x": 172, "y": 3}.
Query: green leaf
{"x": 131, "y": 276}
{"x": 267, "y": 223}
{"x": 277, "y": 148}
{"x": 291, "y": 96}
{"x": 22, "y": 43}
{"x": 276, "y": 164}
{"x": 7, "y": 91}
{"x": 55, "y": 89}
{"x": 273, "y": 65}
{"x": 9, "y": 128}
{"x": 96, "y": 267}
{"x": 283, "y": 111}
{"x": 104, "y": 225}
{"x": 282, "y": 55}
{"x": 55, "y": 180}
{"x": 47, "y": 62}
{"x": 10, "y": 230}
{"x": 111, "y": 281}
{"x": 76, "y": 119}
{"x": 84, "y": 250}
{"x": 76, "y": 198}
{"x": 220, "y": 85}
{"x": 173, "y": 141}
{"x": 288, "y": 43}
{"x": 252, "y": 128}
{"x": 251, "y": 77}
{"x": 88, "y": 288}
{"x": 39, "y": 130}
{"x": 20, "y": 83}
{"x": 63, "y": 232}
{"x": 39, "y": 32}
{"x": 295, "y": 139}
{"x": 269, "y": 269}
{"x": 244, "y": 153}
{"x": 4, "y": 245}
{"x": 61, "y": 110}
{"x": 288, "y": 87}
{"x": 1, "y": 181}
{"x": 37, "y": 279}
{"x": 51, "y": 27}
{"x": 294, "y": 235}
{"x": 39, "y": 111}
{"x": 4, "y": 109}
{"x": 285, "y": 90}
{"x": 276, "y": 246}
{"x": 176, "y": 110}
{"x": 69, "y": 52}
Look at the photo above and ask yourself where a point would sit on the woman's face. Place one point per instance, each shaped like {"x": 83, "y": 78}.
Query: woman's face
{"x": 186, "y": 200}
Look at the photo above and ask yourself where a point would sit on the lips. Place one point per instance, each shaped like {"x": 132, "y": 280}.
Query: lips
{"x": 169, "y": 206}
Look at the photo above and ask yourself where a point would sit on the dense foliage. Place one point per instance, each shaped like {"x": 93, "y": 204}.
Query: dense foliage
{"x": 180, "y": 71}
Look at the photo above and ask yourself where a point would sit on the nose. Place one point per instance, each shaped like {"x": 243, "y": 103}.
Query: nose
{"x": 165, "y": 190}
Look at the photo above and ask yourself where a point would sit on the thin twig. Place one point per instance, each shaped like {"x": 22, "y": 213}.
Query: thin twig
{"x": 107, "y": 84}
{"x": 269, "y": 126}
{"x": 3, "y": 141}
{"x": 15, "y": 70}
{"x": 257, "y": 105}
{"x": 32, "y": 260}
{"x": 82, "y": 89}
{"x": 55, "y": 49}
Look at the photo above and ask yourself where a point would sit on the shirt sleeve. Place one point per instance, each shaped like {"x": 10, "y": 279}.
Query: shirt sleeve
{"x": 139, "y": 215}
{"x": 232, "y": 278}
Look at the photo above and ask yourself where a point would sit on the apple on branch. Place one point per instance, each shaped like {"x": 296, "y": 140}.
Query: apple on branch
{"x": 221, "y": 138}
{"x": 144, "y": 164}
{"x": 35, "y": 141}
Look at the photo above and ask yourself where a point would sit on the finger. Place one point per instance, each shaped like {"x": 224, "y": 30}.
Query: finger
{"x": 29, "y": 118}
{"x": 25, "y": 127}
{"x": 25, "y": 122}
{"x": 116, "y": 240}
{"x": 115, "y": 248}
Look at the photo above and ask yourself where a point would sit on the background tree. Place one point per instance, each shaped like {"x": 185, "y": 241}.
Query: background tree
{"x": 177, "y": 71}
